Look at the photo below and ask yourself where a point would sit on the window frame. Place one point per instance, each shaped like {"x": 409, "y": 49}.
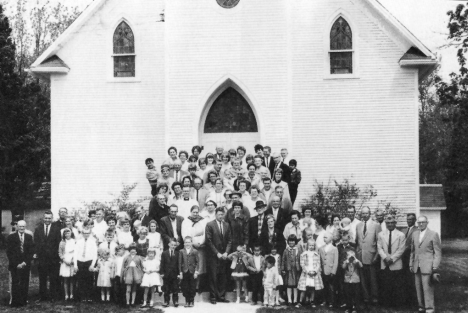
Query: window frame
{"x": 354, "y": 50}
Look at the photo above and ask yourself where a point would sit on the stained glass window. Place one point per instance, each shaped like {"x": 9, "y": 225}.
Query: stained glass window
{"x": 230, "y": 113}
{"x": 227, "y": 4}
{"x": 341, "y": 45}
{"x": 124, "y": 51}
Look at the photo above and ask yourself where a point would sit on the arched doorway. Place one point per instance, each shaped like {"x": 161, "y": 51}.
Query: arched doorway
{"x": 230, "y": 122}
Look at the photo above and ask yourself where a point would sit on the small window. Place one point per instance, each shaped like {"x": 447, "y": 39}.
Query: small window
{"x": 124, "y": 51}
{"x": 341, "y": 48}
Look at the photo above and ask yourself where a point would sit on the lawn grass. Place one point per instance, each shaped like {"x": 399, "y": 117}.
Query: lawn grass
{"x": 451, "y": 294}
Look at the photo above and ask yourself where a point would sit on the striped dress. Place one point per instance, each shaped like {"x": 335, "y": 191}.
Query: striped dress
{"x": 310, "y": 261}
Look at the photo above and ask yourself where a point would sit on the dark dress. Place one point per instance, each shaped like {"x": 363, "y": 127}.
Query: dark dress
{"x": 142, "y": 248}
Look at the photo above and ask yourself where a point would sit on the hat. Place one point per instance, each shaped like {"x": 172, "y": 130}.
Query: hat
{"x": 435, "y": 278}
{"x": 235, "y": 193}
{"x": 260, "y": 204}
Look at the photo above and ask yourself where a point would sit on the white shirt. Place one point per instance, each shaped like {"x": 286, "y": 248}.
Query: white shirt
{"x": 90, "y": 252}
{"x": 267, "y": 194}
{"x": 421, "y": 235}
{"x": 185, "y": 206}
{"x": 118, "y": 265}
{"x": 352, "y": 230}
{"x": 47, "y": 232}
{"x": 100, "y": 230}
{"x": 220, "y": 225}
{"x": 105, "y": 245}
{"x": 174, "y": 227}
{"x": 124, "y": 238}
{"x": 257, "y": 261}
{"x": 275, "y": 213}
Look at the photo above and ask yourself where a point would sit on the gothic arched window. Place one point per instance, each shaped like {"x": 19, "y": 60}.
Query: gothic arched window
{"x": 230, "y": 113}
{"x": 341, "y": 48}
{"x": 124, "y": 51}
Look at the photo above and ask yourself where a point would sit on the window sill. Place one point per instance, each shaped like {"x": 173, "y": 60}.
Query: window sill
{"x": 341, "y": 76}
{"x": 124, "y": 80}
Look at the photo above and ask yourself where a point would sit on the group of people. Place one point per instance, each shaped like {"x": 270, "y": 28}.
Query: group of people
{"x": 215, "y": 230}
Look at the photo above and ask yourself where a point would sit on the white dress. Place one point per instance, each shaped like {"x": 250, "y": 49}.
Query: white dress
{"x": 152, "y": 279}
{"x": 124, "y": 238}
{"x": 68, "y": 270}
{"x": 155, "y": 240}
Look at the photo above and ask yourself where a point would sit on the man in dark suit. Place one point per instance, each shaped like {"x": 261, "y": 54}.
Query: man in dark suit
{"x": 410, "y": 288}
{"x": 257, "y": 225}
{"x": 169, "y": 270}
{"x": 158, "y": 208}
{"x": 268, "y": 161}
{"x": 171, "y": 227}
{"x": 279, "y": 164}
{"x": 60, "y": 223}
{"x": 20, "y": 251}
{"x": 218, "y": 242}
{"x": 47, "y": 240}
{"x": 281, "y": 215}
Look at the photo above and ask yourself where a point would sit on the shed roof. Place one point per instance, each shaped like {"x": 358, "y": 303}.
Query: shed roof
{"x": 432, "y": 196}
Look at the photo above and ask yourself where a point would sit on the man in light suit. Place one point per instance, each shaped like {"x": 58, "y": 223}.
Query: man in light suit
{"x": 171, "y": 227}
{"x": 177, "y": 173}
{"x": 425, "y": 259}
{"x": 366, "y": 241}
{"x": 199, "y": 193}
{"x": 218, "y": 243}
{"x": 391, "y": 246}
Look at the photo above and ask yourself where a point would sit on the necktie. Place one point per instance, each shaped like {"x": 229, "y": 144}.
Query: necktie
{"x": 22, "y": 243}
{"x": 390, "y": 243}
{"x": 108, "y": 245}
{"x": 84, "y": 249}
{"x": 266, "y": 161}
{"x": 170, "y": 253}
{"x": 221, "y": 228}
{"x": 47, "y": 231}
{"x": 177, "y": 176}
{"x": 197, "y": 194}
{"x": 407, "y": 232}
{"x": 365, "y": 227}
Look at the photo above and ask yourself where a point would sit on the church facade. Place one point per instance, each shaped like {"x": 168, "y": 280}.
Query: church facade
{"x": 334, "y": 82}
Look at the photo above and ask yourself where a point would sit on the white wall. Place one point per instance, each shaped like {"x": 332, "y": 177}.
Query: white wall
{"x": 364, "y": 128}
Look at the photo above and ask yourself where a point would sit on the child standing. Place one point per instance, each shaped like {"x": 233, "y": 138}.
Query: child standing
{"x": 66, "y": 254}
{"x": 152, "y": 175}
{"x": 132, "y": 273}
{"x": 270, "y": 280}
{"x": 189, "y": 266}
{"x": 290, "y": 268}
{"x": 310, "y": 278}
{"x": 151, "y": 277}
{"x": 169, "y": 273}
{"x": 255, "y": 267}
{"x": 240, "y": 261}
{"x": 329, "y": 259}
{"x": 116, "y": 281}
{"x": 106, "y": 269}
{"x": 352, "y": 267}
{"x": 343, "y": 247}
{"x": 279, "y": 282}
{"x": 295, "y": 180}
{"x": 109, "y": 244}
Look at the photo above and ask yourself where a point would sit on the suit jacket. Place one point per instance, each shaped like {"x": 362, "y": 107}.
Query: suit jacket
{"x": 253, "y": 230}
{"x": 366, "y": 244}
{"x": 169, "y": 267}
{"x": 285, "y": 202}
{"x": 214, "y": 241}
{"x": 167, "y": 232}
{"x": 235, "y": 256}
{"x": 146, "y": 219}
{"x": 157, "y": 212}
{"x": 286, "y": 172}
{"x": 409, "y": 240}
{"x": 271, "y": 164}
{"x": 251, "y": 263}
{"x": 397, "y": 249}
{"x": 329, "y": 260}
{"x": 47, "y": 247}
{"x": 189, "y": 262}
{"x": 276, "y": 239}
{"x": 295, "y": 179}
{"x": 203, "y": 195}
{"x": 281, "y": 220}
{"x": 60, "y": 224}
{"x": 425, "y": 254}
{"x": 13, "y": 250}
{"x": 182, "y": 174}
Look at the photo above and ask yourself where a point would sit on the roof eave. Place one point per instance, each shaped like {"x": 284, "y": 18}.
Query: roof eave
{"x": 50, "y": 70}
{"x": 425, "y": 66}
{"x": 435, "y": 208}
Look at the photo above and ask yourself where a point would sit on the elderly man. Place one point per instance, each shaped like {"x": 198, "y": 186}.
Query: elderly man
{"x": 279, "y": 164}
{"x": 281, "y": 215}
{"x": 219, "y": 154}
{"x": 185, "y": 204}
{"x": 425, "y": 258}
{"x": 199, "y": 193}
{"x": 47, "y": 240}
{"x": 177, "y": 174}
{"x": 380, "y": 217}
{"x": 259, "y": 168}
{"x": 257, "y": 224}
{"x": 171, "y": 227}
{"x": 366, "y": 240}
{"x": 391, "y": 246}
{"x": 218, "y": 243}
{"x": 20, "y": 251}
{"x": 158, "y": 208}
{"x": 285, "y": 201}
{"x": 60, "y": 223}
{"x": 410, "y": 289}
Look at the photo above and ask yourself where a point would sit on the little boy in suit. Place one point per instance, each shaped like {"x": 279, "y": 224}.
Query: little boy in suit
{"x": 169, "y": 272}
{"x": 188, "y": 268}
{"x": 255, "y": 267}
{"x": 329, "y": 261}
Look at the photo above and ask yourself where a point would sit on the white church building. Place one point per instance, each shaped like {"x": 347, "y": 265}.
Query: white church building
{"x": 333, "y": 81}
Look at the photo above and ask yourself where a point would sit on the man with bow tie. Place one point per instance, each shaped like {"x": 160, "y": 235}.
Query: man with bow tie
{"x": 391, "y": 246}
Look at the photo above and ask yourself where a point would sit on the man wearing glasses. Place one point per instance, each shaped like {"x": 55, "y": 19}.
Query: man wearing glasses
{"x": 424, "y": 263}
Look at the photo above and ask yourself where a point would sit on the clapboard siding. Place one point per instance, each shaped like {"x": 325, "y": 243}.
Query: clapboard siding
{"x": 363, "y": 128}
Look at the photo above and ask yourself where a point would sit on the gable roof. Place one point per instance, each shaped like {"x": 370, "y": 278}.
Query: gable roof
{"x": 53, "y": 61}
{"x": 96, "y": 5}
{"x": 432, "y": 197}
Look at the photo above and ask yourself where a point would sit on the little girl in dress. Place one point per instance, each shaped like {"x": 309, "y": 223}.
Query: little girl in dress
{"x": 106, "y": 269}
{"x": 239, "y": 270}
{"x": 151, "y": 278}
{"x": 290, "y": 268}
{"x": 132, "y": 273}
{"x": 279, "y": 282}
{"x": 311, "y": 279}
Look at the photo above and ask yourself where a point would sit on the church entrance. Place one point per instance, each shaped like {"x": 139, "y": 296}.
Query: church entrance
{"x": 230, "y": 122}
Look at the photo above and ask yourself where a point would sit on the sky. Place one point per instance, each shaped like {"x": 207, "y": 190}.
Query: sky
{"x": 426, "y": 19}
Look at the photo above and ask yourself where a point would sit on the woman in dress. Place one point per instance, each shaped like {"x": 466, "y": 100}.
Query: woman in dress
{"x": 196, "y": 150}
{"x": 209, "y": 213}
{"x": 201, "y": 168}
{"x": 334, "y": 228}
{"x": 240, "y": 154}
{"x": 226, "y": 161}
{"x": 66, "y": 253}
{"x": 172, "y": 152}
{"x": 183, "y": 157}
{"x": 277, "y": 180}
{"x": 320, "y": 223}
{"x": 194, "y": 226}
{"x": 307, "y": 221}
{"x": 142, "y": 244}
{"x": 239, "y": 226}
{"x": 250, "y": 201}
{"x": 209, "y": 161}
{"x": 272, "y": 237}
{"x": 69, "y": 224}
{"x": 217, "y": 195}
{"x": 124, "y": 236}
{"x": 154, "y": 237}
